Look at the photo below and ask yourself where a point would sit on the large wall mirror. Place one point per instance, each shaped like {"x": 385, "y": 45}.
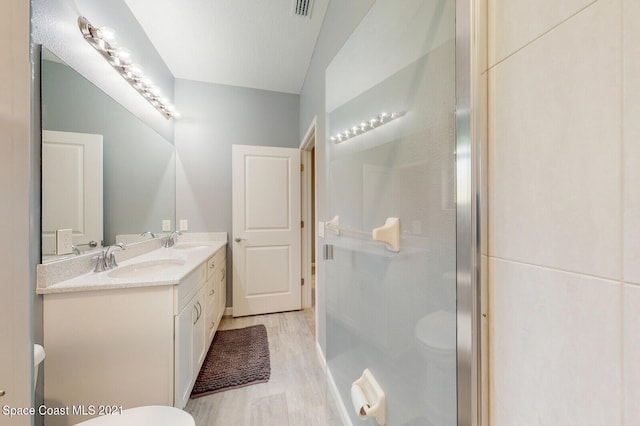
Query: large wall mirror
{"x": 106, "y": 175}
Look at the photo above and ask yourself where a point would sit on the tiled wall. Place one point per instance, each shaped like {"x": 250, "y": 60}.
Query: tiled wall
{"x": 563, "y": 252}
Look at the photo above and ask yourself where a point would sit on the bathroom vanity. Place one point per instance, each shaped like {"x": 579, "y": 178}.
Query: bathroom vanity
{"x": 135, "y": 335}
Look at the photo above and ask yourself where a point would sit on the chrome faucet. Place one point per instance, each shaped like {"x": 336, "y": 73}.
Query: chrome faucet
{"x": 145, "y": 233}
{"x": 109, "y": 255}
{"x": 170, "y": 240}
{"x": 107, "y": 259}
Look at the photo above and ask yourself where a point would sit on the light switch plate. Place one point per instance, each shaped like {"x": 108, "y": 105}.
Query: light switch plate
{"x": 184, "y": 225}
{"x": 64, "y": 241}
{"x": 321, "y": 229}
{"x": 166, "y": 225}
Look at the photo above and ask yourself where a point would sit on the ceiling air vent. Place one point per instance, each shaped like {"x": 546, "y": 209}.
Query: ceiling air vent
{"x": 302, "y": 8}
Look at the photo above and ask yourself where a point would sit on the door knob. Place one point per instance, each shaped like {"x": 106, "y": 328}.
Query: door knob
{"x": 238, "y": 239}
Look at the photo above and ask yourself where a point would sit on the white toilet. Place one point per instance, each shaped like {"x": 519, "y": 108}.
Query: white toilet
{"x": 38, "y": 357}
{"x": 152, "y": 415}
{"x": 435, "y": 337}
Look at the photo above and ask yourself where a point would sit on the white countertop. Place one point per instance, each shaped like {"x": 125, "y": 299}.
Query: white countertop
{"x": 90, "y": 281}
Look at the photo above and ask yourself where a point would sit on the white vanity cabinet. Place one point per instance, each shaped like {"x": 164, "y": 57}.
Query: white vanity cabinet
{"x": 130, "y": 346}
{"x": 196, "y": 323}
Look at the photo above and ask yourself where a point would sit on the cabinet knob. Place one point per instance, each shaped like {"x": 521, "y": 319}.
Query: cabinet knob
{"x": 2, "y": 392}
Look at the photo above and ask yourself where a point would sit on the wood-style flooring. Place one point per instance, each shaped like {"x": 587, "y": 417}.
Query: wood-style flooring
{"x": 296, "y": 392}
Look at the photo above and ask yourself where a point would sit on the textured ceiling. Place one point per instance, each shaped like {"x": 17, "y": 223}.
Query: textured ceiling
{"x": 248, "y": 43}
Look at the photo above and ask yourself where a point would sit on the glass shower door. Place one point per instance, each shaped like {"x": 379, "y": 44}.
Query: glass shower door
{"x": 391, "y": 300}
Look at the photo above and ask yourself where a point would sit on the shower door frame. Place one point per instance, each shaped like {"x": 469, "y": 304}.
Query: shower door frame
{"x": 470, "y": 374}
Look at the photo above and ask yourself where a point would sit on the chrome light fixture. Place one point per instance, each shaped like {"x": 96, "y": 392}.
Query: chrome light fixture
{"x": 103, "y": 40}
{"x": 365, "y": 126}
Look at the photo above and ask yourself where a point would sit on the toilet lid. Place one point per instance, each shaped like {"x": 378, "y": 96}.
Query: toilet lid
{"x": 154, "y": 415}
{"x": 438, "y": 330}
{"x": 38, "y": 355}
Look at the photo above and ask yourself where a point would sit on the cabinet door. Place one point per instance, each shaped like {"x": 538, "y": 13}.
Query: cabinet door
{"x": 199, "y": 331}
{"x": 184, "y": 353}
{"x": 211, "y": 309}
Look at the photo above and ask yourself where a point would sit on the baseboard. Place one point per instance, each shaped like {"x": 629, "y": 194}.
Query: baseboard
{"x": 333, "y": 388}
{"x": 228, "y": 311}
{"x": 323, "y": 362}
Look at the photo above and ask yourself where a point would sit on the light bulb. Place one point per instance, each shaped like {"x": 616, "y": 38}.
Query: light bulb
{"x": 107, "y": 34}
{"x": 124, "y": 55}
{"x": 136, "y": 71}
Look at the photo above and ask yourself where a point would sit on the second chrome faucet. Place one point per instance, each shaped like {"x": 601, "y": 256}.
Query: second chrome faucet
{"x": 170, "y": 240}
{"x": 106, "y": 259}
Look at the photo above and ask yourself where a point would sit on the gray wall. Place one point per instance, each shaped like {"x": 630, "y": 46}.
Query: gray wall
{"x": 339, "y": 22}
{"x": 214, "y": 118}
{"x": 139, "y": 164}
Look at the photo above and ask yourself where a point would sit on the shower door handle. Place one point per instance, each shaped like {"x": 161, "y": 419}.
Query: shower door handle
{"x": 327, "y": 252}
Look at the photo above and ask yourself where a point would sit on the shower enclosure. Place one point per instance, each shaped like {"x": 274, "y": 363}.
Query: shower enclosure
{"x": 398, "y": 168}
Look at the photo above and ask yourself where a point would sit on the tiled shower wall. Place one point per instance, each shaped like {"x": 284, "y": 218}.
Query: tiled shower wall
{"x": 563, "y": 253}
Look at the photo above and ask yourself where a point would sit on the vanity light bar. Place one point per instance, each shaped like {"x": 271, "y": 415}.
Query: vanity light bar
{"x": 103, "y": 40}
{"x": 365, "y": 126}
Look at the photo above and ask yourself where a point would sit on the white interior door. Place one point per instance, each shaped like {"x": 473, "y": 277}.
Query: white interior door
{"x": 266, "y": 230}
{"x": 71, "y": 187}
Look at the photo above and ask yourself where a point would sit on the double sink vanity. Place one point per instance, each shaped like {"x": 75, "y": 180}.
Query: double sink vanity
{"x": 132, "y": 335}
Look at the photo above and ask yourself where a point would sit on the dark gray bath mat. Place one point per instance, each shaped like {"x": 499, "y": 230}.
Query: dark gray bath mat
{"x": 236, "y": 358}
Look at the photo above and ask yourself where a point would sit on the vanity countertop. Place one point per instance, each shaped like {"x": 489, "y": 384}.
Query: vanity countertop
{"x": 192, "y": 257}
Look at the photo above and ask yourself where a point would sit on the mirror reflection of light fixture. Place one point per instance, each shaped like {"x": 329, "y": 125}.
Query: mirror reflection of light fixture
{"x": 365, "y": 126}
{"x": 104, "y": 41}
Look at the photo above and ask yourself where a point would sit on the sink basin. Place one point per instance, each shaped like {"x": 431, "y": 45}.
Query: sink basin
{"x": 189, "y": 246}
{"x": 148, "y": 268}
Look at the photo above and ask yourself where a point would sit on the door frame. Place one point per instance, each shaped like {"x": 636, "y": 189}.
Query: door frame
{"x": 307, "y": 155}
{"x": 471, "y": 303}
